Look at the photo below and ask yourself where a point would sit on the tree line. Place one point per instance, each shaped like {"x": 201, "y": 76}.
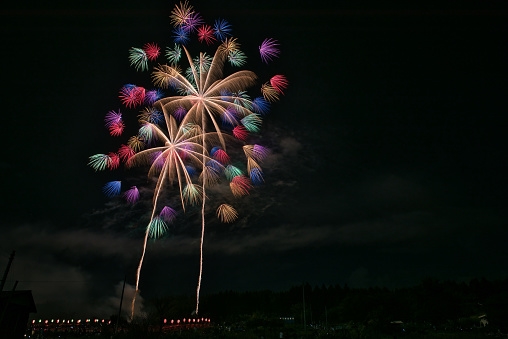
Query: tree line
{"x": 433, "y": 303}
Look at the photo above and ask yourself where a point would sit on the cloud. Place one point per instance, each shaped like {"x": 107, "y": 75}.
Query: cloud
{"x": 69, "y": 271}
{"x": 285, "y": 237}
{"x": 286, "y": 152}
{"x": 290, "y": 146}
{"x": 39, "y": 238}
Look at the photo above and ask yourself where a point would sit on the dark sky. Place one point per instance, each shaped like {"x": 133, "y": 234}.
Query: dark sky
{"x": 388, "y": 160}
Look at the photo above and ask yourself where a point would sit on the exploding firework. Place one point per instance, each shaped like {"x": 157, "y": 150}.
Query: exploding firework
{"x": 188, "y": 122}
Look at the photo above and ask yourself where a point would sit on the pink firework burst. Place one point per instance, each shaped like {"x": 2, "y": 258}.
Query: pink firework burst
{"x": 240, "y": 185}
{"x": 132, "y": 195}
{"x": 152, "y": 51}
{"x": 279, "y": 83}
{"x": 192, "y": 21}
{"x": 205, "y": 33}
{"x": 116, "y": 128}
{"x": 139, "y": 94}
{"x": 152, "y": 96}
{"x": 126, "y": 152}
{"x": 113, "y": 161}
{"x": 260, "y": 152}
{"x": 240, "y": 133}
{"x": 179, "y": 113}
{"x": 132, "y": 96}
{"x": 221, "y": 156}
{"x": 256, "y": 152}
{"x": 269, "y": 49}
{"x": 112, "y": 117}
{"x": 168, "y": 214}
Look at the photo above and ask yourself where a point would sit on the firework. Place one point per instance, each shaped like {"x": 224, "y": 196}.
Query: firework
{"x": 221, "y": 29}
{"x": 99, "y": 162}
{"x": 112, "y": 188}
{"x": 205, "y": 33}
{"x": 125, "y": 152}
{"x": 168, "y": 214}
{"x": 138, "y": 58}
{"x": 181, "y": 13}
{"x": 279, "y": 83}
{"x": 174, "y": 54}
{"x": 227, "y": 213}
{"x": 269, "y": 50}
{"x": 188, "y": 122}
{"x": 152, "y": 51}
{"x": 132, "y": 95}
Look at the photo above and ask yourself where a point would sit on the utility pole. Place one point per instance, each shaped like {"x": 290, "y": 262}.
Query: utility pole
{"x": 4, "y": 278}
{"x": 304, "y": 321}
{"x": 120, "y": 308}
{"x": 326, "y": 317}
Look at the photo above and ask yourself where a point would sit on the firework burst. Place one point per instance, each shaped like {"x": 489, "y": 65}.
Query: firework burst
{"x": 269, "y": 50}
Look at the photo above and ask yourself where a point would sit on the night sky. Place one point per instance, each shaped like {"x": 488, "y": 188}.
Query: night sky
{"x": 388, "y": 160}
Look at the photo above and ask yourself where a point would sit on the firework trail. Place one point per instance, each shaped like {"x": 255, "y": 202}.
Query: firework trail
{"x": 188, "y": 131}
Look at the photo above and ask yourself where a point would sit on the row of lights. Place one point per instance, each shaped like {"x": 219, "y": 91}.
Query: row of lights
{"x": 188, "y": 321}
{"x": 71, "y": 321}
